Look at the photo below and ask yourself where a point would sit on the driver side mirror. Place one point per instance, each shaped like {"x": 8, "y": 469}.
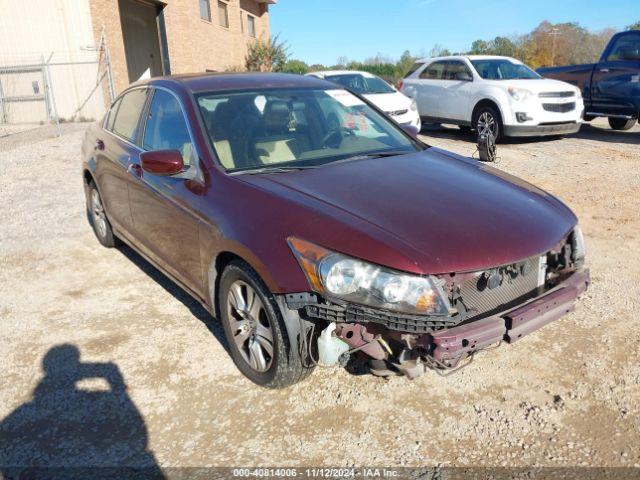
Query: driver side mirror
{"x": 411, "y": 130}
{"x": 464, "y": 77}
{"x": 162, "y": 162}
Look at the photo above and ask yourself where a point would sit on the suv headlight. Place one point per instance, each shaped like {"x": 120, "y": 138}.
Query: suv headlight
{"x": 340, "y": 276}
{"x": 519, "y": 94}
{"x": 413, "y": 106}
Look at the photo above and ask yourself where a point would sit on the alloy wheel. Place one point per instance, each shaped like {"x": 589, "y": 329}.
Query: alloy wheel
{"x": 250, "y": 326}
{"x": 487, "y": 123}
{"x": 97, "y": 212}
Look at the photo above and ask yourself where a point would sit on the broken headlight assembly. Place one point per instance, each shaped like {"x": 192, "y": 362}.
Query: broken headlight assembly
{"x": 339, "y": 276}
{"x": 577, "y": 244}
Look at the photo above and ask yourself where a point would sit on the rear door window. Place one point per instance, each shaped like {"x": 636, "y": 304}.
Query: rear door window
{"x": 127, "y": 117}
{"x": 454, "y": 69}
{"x": 434, "y": 71}
{"x": 112, "y": 115}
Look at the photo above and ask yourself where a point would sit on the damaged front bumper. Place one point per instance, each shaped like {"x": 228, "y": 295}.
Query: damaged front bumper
{"x": 402, "y": 344}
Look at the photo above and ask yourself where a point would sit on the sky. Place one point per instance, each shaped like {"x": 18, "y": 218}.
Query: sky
{"x": 321, "y": 31}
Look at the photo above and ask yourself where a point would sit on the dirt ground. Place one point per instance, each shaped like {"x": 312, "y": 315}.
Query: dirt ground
{"x": 105, "y": 361}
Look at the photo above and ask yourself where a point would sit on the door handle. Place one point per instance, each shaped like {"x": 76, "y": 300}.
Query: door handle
{"x": 135, "y": 170}
{"x": 99, "y": 145}
{"x": 604, "y": 70}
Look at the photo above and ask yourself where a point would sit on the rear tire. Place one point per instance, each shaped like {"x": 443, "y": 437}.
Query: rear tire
{"x": 98, "y": 218}
{"x": 255, "y": 330}
{"x": 487, "y": 117}
{"x": 621, "y": 123}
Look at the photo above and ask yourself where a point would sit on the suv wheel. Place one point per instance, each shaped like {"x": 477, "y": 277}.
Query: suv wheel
{"x": 487, "y": 119}
{"x": 621, "y": 123}
{"x": 255, "y": 330}
{"x": 98, "y": 218}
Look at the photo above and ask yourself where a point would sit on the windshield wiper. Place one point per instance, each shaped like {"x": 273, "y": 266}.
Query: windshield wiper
{"x": 364, "y": 156}
{"x": 256, "y": 171}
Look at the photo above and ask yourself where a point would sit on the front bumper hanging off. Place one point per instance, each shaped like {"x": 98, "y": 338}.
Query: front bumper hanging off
{"x": 441, "y": 346}
{"x": 452, "y": 344}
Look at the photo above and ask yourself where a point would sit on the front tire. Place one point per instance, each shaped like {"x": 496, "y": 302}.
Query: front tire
{"x": 621, "y": 123}
{"x": 98, "y": 218}
{"x": 487, "y": 118}
{"x": 255, "y": 330}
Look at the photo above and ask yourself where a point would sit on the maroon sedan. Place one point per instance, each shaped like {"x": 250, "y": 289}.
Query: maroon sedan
{"x": 315, "y": 228}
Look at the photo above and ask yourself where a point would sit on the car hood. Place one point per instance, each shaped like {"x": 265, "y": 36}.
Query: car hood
{"x": 444, "y": 212}
{"x": 538, "y": 85}
{"x": 389, "y": 102}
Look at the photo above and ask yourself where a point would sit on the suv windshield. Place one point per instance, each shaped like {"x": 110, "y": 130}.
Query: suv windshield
{"x": 361, "y": 84}
{"x": 502, "y": 69}
{"x": 296, "y": 128}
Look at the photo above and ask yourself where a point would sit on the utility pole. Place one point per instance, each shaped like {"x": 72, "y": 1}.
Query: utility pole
{"x": 554, "y": 32}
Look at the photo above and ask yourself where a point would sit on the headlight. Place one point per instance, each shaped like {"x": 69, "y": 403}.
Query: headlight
{"x": 577, "y": 243}
{"x": 519, "y": 94}
{"x": 352, "y": 280}
{"x": 414, "y": 106}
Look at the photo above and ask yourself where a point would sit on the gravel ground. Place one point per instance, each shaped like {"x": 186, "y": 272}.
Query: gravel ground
{"x": 153, "y": 384}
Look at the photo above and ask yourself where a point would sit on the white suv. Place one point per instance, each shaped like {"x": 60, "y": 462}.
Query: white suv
{"x": 494, "y": 93}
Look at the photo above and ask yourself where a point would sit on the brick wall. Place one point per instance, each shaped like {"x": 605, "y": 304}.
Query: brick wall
{"x": 194, "y": 45}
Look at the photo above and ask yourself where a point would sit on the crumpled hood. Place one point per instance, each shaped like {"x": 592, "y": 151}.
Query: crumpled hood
{"x": 447, "y": 213}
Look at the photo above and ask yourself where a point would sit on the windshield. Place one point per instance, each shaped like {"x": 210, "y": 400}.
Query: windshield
{"x": 502, "y": 69}
{"x": 296, "y": 128}
{"x": 361, "y": 84}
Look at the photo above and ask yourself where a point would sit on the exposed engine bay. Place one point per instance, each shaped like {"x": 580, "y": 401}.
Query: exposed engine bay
{"x": 486, "y": 308}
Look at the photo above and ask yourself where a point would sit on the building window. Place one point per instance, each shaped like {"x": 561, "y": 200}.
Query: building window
{"x": 205, "y": 10}
{"x": 223, "y": 14}
{"x": 251, "y": 26}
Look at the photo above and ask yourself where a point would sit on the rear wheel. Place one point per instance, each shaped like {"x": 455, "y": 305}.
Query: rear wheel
{"x": 98, "y": 218}
{"x": 621, "y": 123}
{"x": 486, "y": 119}
{"x": 255, "y": 330}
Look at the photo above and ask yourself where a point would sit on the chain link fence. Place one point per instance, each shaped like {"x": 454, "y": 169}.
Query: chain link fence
{"x": 53, "y": 88}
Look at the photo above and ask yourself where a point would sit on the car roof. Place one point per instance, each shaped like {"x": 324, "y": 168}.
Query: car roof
{"x": 469, "y": 57}
{"x": 220, "y": 82}
{"x": 326, "y": 73}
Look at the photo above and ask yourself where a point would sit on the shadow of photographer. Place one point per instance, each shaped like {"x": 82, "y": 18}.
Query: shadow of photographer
{"x": 80, "y": 423}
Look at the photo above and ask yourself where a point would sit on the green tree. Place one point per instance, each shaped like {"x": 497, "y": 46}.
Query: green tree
{"x": 296, "y": 66}
{"x": 479, "y": 47}
{"x": 439, "y": 51}
{"x": 267, "y": 55}
{"x": 404, "y": 64}
{"x": 503, "y": 46}
{"x": 635, "y": 26}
